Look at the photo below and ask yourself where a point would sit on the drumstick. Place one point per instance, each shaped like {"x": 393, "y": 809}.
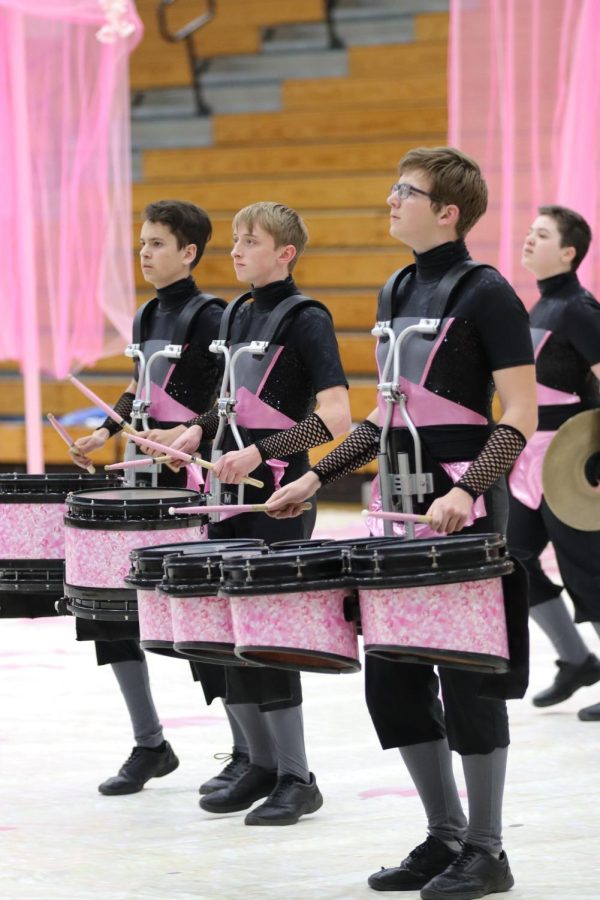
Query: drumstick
{"x": 68, "y": 440}
{"x": 185, "y": 457}
{"x": 137, "y": 463}
{"x": 226, "y": 507}
{"x": 398, "y": 516}
{"x": 110, "y": 412}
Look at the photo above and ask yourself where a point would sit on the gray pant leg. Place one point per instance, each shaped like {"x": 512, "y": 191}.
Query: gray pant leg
{"x": 555, "y": 621}
{"x": 257, "y": 737}
{"x": 430, "y": 767}
{"x": 286, "y": 727}
{"x": 239, "y": 738}
{"x": 485, "y": 775}
{"x": 134, "y": 682}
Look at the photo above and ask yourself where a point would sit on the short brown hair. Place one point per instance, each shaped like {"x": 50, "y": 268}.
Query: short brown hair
{"x": 573, "y": 229}
{"x": 454, "y": 178}
{"x": 284, "y": 224}
{"x": 189, "y": 223}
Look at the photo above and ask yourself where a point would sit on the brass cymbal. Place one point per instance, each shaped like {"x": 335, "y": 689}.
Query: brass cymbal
{"x": 567, "y": 490}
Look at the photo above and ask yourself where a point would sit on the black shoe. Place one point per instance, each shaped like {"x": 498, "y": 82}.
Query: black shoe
{"x": 251, "y": 785}
{"x": 568, "y": 680}
{"x": 143, "y": 764}
{"x": 290, "y": 799}
{"x": 590, "y": 713}
{"x": 475, "y": 873}
{"x": 428, "y": 859}
{"x": 237, "y": 765}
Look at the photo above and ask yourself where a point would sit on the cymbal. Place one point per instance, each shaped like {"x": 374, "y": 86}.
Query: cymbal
{"x": 567, "y": 490}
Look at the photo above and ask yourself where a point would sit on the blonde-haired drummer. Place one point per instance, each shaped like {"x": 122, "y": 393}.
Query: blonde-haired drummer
{"x": 565, "y": 325}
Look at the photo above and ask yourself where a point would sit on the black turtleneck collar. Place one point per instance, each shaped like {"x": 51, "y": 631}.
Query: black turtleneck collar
{"x": 177, "y": 292}
{"x": 434, "y": 263}
{"x": 556, "y": 284}
{"x": 268, "y": 296}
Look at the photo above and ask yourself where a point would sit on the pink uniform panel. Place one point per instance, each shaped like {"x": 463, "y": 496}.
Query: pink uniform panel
{"x": 307, "y": 620}
{"x": 154, "y": 614}
{"x": 466, "y": 617}
{"x": 32, "y": 531}
{"x": 525, "y": 479}
{"x": 100, "y": 559}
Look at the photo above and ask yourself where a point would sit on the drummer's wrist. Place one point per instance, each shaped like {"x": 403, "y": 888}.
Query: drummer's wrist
{"x": 102, "y": 433}
{"x": 313, "y": 480}
{"x": 464, "y": 489}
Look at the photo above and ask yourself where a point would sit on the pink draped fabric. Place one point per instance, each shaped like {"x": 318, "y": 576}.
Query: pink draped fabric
{"x": 524, "y": 100}
{"x": 66, "y": 274}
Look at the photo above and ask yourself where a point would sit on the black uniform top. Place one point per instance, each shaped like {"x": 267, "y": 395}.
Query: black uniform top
{"x": 309, "y": 363}
{"x": 489, "y": 332}
{"x": 571, "y": 313}
{"x": 197, "y": 374}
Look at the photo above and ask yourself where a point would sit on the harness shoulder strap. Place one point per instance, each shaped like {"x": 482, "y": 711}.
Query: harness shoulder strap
{"x": 140, "y": 318}
{"x": 189, "y": 312}
{"x": 449, "y": 283}
{"x": 283, "y": 311}
{"x": 393, "y": 287}
{"x": 229, "y": 314}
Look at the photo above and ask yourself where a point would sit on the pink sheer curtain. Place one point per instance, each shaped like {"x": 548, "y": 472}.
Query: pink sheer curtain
{"x": 524, "y": 100}
{"x": 66, "y": 274}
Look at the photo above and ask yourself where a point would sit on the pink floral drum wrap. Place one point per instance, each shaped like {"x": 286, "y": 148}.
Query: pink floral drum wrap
{"x": 201, "y": 620}
{"x": 32, "y": 530}
{"x": 466, "y": 617}
{"x": 100, "y": 559}
{"x": 308, "y": 620}
{"x": 154, "y": 614}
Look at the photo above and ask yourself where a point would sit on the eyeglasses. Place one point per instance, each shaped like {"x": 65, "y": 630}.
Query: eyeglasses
{"x": 404, "y": 191}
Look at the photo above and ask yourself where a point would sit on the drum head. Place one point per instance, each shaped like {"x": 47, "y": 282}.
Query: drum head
{"x": 18, "y": 487}
{"x": 130, "y": 504}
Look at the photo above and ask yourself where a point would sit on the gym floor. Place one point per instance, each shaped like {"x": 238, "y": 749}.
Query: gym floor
{"x": 64, "y": 729}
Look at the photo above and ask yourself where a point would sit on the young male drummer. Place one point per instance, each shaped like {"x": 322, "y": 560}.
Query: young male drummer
{"x": 172, "y": 240}
{"x": 485, "y": 339}
{"x": 276, "y": 413}
{"x": 565, "y": 325}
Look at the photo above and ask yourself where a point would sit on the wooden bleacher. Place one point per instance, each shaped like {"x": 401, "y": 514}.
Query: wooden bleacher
{"x": 331, "y": 152}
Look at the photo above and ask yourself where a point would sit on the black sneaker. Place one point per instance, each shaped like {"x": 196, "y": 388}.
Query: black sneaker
{"x": 251, "y": 785}
{"x": 428, "y": 859}
{"x": 474, "y": 874}
{"x": 144, "y": 763}
{"x": 590, "y": 713}
{"x": 569, "y": 679}
{"x": 290, "y": 799}
{"x": 237, "y": 765}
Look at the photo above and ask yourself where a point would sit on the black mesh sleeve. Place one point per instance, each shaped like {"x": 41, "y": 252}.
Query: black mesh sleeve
{"x": 359, "y": 448}
{"x": 497, "y": 456}
{"x": 208, "y": 422}
{"x": 123, "y": 407}
{"x": 310, "y": 432}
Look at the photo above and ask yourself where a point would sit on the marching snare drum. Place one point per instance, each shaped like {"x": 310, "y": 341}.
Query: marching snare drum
{"x": 102, "y": 528}
{"x": 435, "y": 601}
{"x": 201, "y": 619}
{"x": 288, "y": 609}
{"x": 32, "y": 539}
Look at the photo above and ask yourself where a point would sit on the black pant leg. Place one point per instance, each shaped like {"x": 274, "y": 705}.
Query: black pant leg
{"x": 527, "y": 537}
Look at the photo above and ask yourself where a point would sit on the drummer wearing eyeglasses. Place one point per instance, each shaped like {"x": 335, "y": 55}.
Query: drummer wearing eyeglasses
{"x": 483, "y": 341}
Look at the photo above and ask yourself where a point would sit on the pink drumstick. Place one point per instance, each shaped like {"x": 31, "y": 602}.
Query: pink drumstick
{"x": 67, "y": 439}
{"x": 103, "y": 406}
{"x": 185, "y": 457}
{"x": 226, "y": 507}
{"x": 137, "y": 463}
{"x": 398, "y": 516}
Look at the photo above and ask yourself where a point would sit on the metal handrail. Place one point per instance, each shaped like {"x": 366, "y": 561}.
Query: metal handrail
{"x": 197, "y": 65}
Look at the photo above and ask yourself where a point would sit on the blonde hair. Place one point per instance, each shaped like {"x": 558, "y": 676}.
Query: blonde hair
{"x": 455, "y": 179}
{"x": 283, "y": 224}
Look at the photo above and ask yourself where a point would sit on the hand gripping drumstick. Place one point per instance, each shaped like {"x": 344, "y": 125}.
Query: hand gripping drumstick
{"x": 185, "y": 457}
{"x": 226, "y": 507}
{"x": 398, "y": 516}
{"x": 68, "y": 440}
{"x": 138, "y": 463}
